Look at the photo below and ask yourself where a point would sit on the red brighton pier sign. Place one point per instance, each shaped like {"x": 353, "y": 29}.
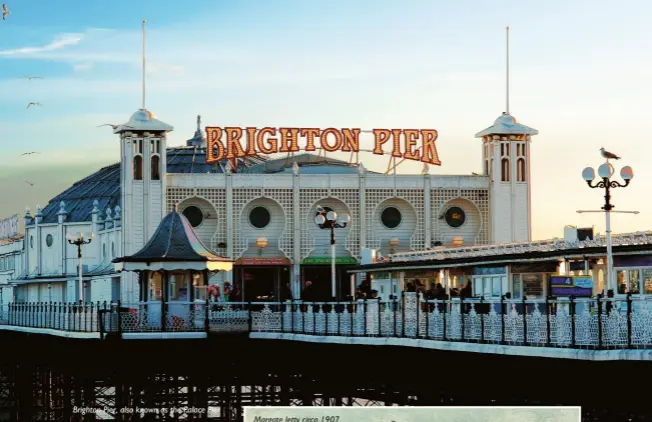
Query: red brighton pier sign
{"x": 227, "y": 143}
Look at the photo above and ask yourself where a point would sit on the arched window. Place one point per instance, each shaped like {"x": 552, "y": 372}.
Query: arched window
{"x": 156, "y": 172}
{"x": 504, "y": 170}
{"x": 520, "y": 170}
{"x": 138, "y": 167}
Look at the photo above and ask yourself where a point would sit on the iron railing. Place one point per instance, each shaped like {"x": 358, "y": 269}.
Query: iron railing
{"x": 596, "y": 323}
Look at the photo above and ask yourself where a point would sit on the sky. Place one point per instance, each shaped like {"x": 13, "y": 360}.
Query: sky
{"x": 579, "y": 73}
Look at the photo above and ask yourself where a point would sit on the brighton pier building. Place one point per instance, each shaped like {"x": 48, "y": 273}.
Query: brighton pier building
{"x": 261, "y": 215}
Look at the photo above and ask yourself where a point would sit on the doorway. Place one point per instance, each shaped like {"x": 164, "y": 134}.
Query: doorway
{"x": 320, "y": 275}
{"x": 263, "y": 283}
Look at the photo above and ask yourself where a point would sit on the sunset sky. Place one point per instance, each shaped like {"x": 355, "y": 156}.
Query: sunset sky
{"x": 580, "y": 74}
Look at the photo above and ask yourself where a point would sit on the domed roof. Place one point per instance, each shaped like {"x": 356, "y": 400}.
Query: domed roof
{"x": 507, "y": 124}
{"x": 143, "y": 120}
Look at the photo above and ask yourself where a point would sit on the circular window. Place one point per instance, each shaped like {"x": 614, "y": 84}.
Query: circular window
{"x": 49, "y": 240}
{"x": 326, "y": 211}
{"x": 391, "y": 217}
{"x": 31, "y": 242}
{"x": 455, "y": 217}
{"x": 259, "y": 217}
{"x": 194, "y": 215}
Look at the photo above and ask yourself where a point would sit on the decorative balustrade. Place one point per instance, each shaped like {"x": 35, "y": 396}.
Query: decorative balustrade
{"x": 576, "y": 323}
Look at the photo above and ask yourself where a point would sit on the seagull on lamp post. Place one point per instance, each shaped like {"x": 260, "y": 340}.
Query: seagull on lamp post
{"x": 5, "y": 11}
{"x": 608, "y": 155}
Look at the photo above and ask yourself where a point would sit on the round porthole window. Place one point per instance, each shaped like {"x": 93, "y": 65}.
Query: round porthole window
{"x": 194, "y": 215}
{"x": 455, "y": 217}
{"x": 49, "y": 240}
{"x": 391, "y": 217}
{"x": 259, "y": 217}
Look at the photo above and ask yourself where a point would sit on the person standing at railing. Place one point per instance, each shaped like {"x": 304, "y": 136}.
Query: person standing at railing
{"x": 286, "y": 292}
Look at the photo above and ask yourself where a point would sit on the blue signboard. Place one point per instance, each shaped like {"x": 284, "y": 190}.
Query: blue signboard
{"x": 566, "y": 285}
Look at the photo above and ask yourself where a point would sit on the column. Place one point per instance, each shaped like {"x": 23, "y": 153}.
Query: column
{"x": 230, "y": 238}
{"x": 295, "y": 275}
{"x": 362, "y": 206}
{"x": 427, "y": 190}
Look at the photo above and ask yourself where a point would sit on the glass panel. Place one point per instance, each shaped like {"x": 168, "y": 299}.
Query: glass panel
{"x": 496, "y": 282}
{"x": 647, "y": 281}
{"x": 634, "y": 281}
{"x": 532, "y": 285}
{"x": 621, "y": 281}
{"x": 516, "y": 285}
{"x": 155, "y": 286}
{"x": 505, "y": 284}
{"x": 477, "y": 286}
{"x": 486, "y": 281}
{"x": 178, "y": 289}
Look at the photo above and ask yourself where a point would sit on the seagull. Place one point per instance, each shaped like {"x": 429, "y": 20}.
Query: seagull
{"x": 30, "y": 153}
{"x": 114, "y": 127}
{"x": 5, "y": 12}
{"x": 31, "y": 77}
{"x": 34, "y": 104}
{"x": 474, "y": 174}
{"x": 608, "y": 155}
{"x": 29, "y": 183}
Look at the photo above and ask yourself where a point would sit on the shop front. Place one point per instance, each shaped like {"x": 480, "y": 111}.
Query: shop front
{"x": 490, "y": 282}
{"x": 532, "y": 280}
{"x": 318, "y": 271}
{"x": 633, "y": 274}
{"x": 260, "y": 279}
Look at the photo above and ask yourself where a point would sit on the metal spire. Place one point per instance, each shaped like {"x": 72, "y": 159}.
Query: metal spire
{"x": 507, "y": 81}
{"x": 144, "y": 22}
{"x": 199, "y": 123}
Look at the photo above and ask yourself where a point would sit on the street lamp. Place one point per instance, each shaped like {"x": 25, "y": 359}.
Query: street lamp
{"x": 605, "y": 172}
{"x": 78, "y": 240}
{"x": 328, "y": 220}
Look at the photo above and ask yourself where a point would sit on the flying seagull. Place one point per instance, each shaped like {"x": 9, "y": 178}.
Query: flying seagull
{"x": 30, "y": 153}
{"x": 34, "y": 104}
{"x": 608, "y": 155}
{"x": 31, "y": 77}
{"x": 114, "y": 127}
{"x": 5, "y": 12}
{"x": 29, "y": 183}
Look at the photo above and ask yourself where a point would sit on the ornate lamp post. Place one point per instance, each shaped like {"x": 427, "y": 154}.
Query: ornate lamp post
{"x": 605, "y": 172}
{"x": 79, "y": 240}
{"x": 328, "y": 220}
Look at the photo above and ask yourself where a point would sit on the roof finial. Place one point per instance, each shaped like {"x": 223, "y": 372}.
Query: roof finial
{"x": 199, "y": 123}
{"x": 507, "y": 79}
{"x": 144, "y": 22}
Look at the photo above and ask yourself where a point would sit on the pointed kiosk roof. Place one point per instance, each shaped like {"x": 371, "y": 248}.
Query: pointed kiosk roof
{"x": 143, "y": 120}
{"x": 174, "y": 246}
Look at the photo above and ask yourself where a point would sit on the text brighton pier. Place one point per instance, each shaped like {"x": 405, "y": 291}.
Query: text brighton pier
{"x": 270, "y": 140}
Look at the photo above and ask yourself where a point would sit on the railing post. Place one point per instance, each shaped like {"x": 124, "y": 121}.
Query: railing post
{"x": 572, "y": 316}
{"x": 599, "y": 304}
{"x": 250, "y": 321}
{"x": 629, "y": 319}
{"x": 339, "y": 322}
{"x": 525, "y": 342}
{"x": 417, "y": 309}
{"x": 548, "y": 330}
{"x": 119, "y": 317}
{"x": 462, "y": 316}
{"x": 325, "y": 319}
{"x": 354, "y": 304}
{"x": 207, "y": 321}
{"x": 482, "y": 319}
{"x": 292, "y": 315}
{"x": 364, "y": 312}
{"x": 427, "y": 320}
{"x": 444, "y": 323}
{"x": 403, "y": 313}
{"x": 314, "y": 318}
{"x": 502, "y": 319}
{"x": 394, "y": 306}
{"x": 304, "y": 309}
{"x": 380, "y": 320}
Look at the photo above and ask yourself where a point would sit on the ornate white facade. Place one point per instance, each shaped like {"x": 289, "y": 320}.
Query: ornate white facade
{"x": 493, "y": 207}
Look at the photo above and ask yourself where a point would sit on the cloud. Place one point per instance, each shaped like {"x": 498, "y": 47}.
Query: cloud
{"x": 82, "y": 66}
{"x": 59, "y": 42}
